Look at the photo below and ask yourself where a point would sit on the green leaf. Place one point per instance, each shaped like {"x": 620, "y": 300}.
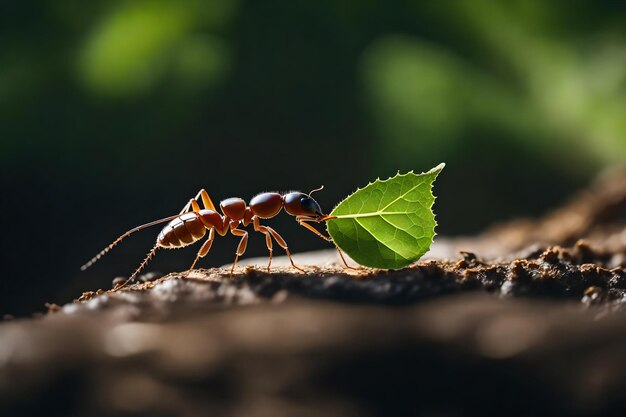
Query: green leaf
{"x": 388, "y": 224}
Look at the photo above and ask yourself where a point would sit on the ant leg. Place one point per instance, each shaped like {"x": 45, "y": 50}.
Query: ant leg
{"x": 191, "y": 204}
{"x": 204, "y": 249}
{"x": 268, "y": 243}
{"x": 186, "y": 207}
{"x": 344, "y": 259}
{"x": 303, "y": 222}
{"x": 268, "y": 239}
{"x": 243, "y": 243}
{"x": 281, "y": 242}
{"x": 206, "y": 200}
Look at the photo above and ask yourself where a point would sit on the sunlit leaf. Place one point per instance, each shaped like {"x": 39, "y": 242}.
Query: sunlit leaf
{"x": 388, "y": 224}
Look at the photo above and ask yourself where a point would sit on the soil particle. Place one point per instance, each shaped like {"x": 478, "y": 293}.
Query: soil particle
{"x": 52, "y": 308}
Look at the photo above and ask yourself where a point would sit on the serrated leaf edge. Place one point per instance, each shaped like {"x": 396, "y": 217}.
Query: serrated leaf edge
{"x": 436, "y": 170}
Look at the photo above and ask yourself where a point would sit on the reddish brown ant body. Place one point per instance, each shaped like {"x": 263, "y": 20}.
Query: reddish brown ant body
{"x": 192, "y": 224}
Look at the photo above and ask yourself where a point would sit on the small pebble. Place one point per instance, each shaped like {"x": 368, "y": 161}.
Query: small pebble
{"x": 149, "y": 276}
{"x": 118, "y": 281}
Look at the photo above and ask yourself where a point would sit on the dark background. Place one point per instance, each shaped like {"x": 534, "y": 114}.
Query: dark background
{"x": 115, "y": 113}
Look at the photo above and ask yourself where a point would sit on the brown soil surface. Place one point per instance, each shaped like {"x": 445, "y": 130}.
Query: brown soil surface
{"x": 526, "y": 318}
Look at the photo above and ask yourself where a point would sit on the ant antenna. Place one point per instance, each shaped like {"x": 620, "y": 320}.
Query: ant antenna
{"x": 119, "y": 239}
{"x": 317, "y": 189}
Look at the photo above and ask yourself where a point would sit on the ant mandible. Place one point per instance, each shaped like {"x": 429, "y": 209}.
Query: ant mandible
{"x": 192, "y": 223}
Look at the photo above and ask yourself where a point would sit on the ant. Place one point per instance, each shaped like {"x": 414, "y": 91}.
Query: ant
{"x": 192, "y": 223}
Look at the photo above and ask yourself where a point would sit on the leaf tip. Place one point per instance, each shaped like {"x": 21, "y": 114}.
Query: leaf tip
{"x": 438, "y": 168}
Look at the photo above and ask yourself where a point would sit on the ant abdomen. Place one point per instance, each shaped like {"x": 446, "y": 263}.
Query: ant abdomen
{"x": 182, "y": 231}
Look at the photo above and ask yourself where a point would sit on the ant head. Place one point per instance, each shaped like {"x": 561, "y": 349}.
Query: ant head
{"x": 300, "y": 204}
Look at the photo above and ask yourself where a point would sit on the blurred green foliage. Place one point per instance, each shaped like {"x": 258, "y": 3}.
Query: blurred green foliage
{"x": 517, "y": 66}
{"x": 433, "y": 76}
{"x": 138, "y": 44}
{"x": 558, "y": 94}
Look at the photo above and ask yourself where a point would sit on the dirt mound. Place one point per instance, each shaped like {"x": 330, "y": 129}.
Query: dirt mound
{"x": 526, "y": 318}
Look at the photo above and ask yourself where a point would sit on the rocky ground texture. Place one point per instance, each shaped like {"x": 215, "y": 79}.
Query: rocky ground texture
{"x": 526, "y": 318}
